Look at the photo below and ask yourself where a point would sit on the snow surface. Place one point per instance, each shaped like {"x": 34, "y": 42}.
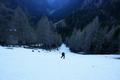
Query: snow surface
{"x": 23, "y": 64}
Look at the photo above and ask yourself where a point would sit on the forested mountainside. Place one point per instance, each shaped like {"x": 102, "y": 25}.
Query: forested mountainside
{"x": 93, "y": 27}
{"x": 84, "y": 26}
{"x": 15, "y": 29}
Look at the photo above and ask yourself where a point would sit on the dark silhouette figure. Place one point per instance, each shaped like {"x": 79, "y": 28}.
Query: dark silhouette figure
{"x": 63, "y": 55}
{"x": 32, "y": 50}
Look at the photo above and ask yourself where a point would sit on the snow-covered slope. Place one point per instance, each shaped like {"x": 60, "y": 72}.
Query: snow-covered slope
{"x": 23, "y": 64}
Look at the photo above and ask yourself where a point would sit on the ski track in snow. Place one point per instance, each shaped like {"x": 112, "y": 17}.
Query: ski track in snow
{"x": 23, "y": 64}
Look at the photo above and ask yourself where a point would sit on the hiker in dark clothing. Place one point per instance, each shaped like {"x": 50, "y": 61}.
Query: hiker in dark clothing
{"x": 32, "y": 50}
{"x": 63, "y": 55}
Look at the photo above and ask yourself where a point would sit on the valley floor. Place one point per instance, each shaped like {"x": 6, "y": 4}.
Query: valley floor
{"x": 23, "y": 64}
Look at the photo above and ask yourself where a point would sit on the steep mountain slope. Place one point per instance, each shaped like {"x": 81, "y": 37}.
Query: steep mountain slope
{"x": 82, "y": 23}
{"x": 94, "y": 23}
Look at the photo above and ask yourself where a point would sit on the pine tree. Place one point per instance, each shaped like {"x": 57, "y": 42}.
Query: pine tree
{"x": 5, "y": 17}
{"x": 46, "y": 34}
{"x": 82, "y": 40}
{"x": 20, "y": 28}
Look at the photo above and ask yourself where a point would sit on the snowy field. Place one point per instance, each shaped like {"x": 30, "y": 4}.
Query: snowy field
{"x": 23, "y": 64}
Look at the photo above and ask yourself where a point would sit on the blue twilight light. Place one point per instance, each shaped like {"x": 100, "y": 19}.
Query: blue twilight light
{"x": 51, "y": 1}
{"x": 56, "y": 4}
{"x": 39, "y": 7}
